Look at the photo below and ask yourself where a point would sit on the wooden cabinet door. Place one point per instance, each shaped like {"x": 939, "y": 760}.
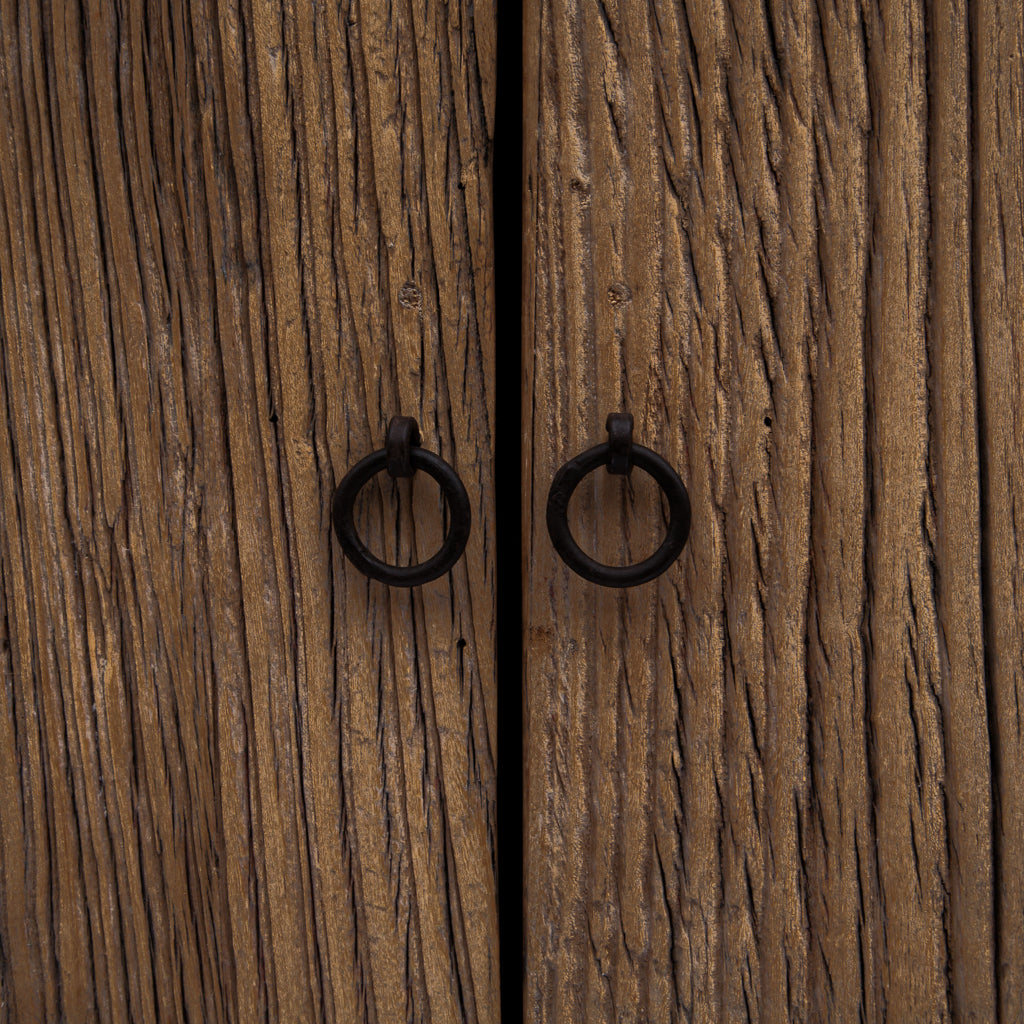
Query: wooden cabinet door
{"x": 239, "y": 781}
{"x": 783, "y": 782}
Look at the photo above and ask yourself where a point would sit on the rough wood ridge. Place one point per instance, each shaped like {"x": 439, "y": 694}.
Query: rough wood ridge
{"x": 238, "y": 782}
{"x": 783, "y": 783}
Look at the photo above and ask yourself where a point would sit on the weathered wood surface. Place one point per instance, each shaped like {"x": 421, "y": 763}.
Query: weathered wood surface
{"x": 997, "y": 51}
{"x": 782, "y": 783}
{"x": 239, "y": 782}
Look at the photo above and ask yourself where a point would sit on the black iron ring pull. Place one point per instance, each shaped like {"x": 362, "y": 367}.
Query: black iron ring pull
{"x": 620, "y": 455}
{"x": 401, "y": 456}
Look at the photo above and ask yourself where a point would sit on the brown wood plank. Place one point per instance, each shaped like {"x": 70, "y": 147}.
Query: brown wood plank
{"x": 759, "y": 788}
{"x": 954, "y": 479}
{"x": 238, "y": 781}
{"x": 843, "y": 905}
{"x": 997, "y": 40}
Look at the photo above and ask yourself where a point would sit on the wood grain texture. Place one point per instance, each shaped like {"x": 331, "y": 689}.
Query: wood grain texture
{"x": 781, "y": 783}
{"x": 238, "y": 781}
{"x": 997, "y": 50}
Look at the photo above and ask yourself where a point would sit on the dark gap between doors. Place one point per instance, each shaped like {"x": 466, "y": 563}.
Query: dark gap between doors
{"x": 507, "y": 205}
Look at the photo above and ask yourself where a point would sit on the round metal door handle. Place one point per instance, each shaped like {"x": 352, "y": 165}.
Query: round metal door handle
{"x": 401, "y": 457}
{"x": 620, "y": 455}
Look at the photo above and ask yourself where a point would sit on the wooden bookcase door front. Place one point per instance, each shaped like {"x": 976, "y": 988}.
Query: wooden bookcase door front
{"x": 783, "y": 782}
{"x": 238, "y": 781}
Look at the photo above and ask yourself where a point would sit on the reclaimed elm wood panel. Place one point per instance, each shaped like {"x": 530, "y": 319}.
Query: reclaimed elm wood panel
{"x": 997, "y": 52}
{"x": 238, "y": 781}
{"x": 782, "y": 782}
